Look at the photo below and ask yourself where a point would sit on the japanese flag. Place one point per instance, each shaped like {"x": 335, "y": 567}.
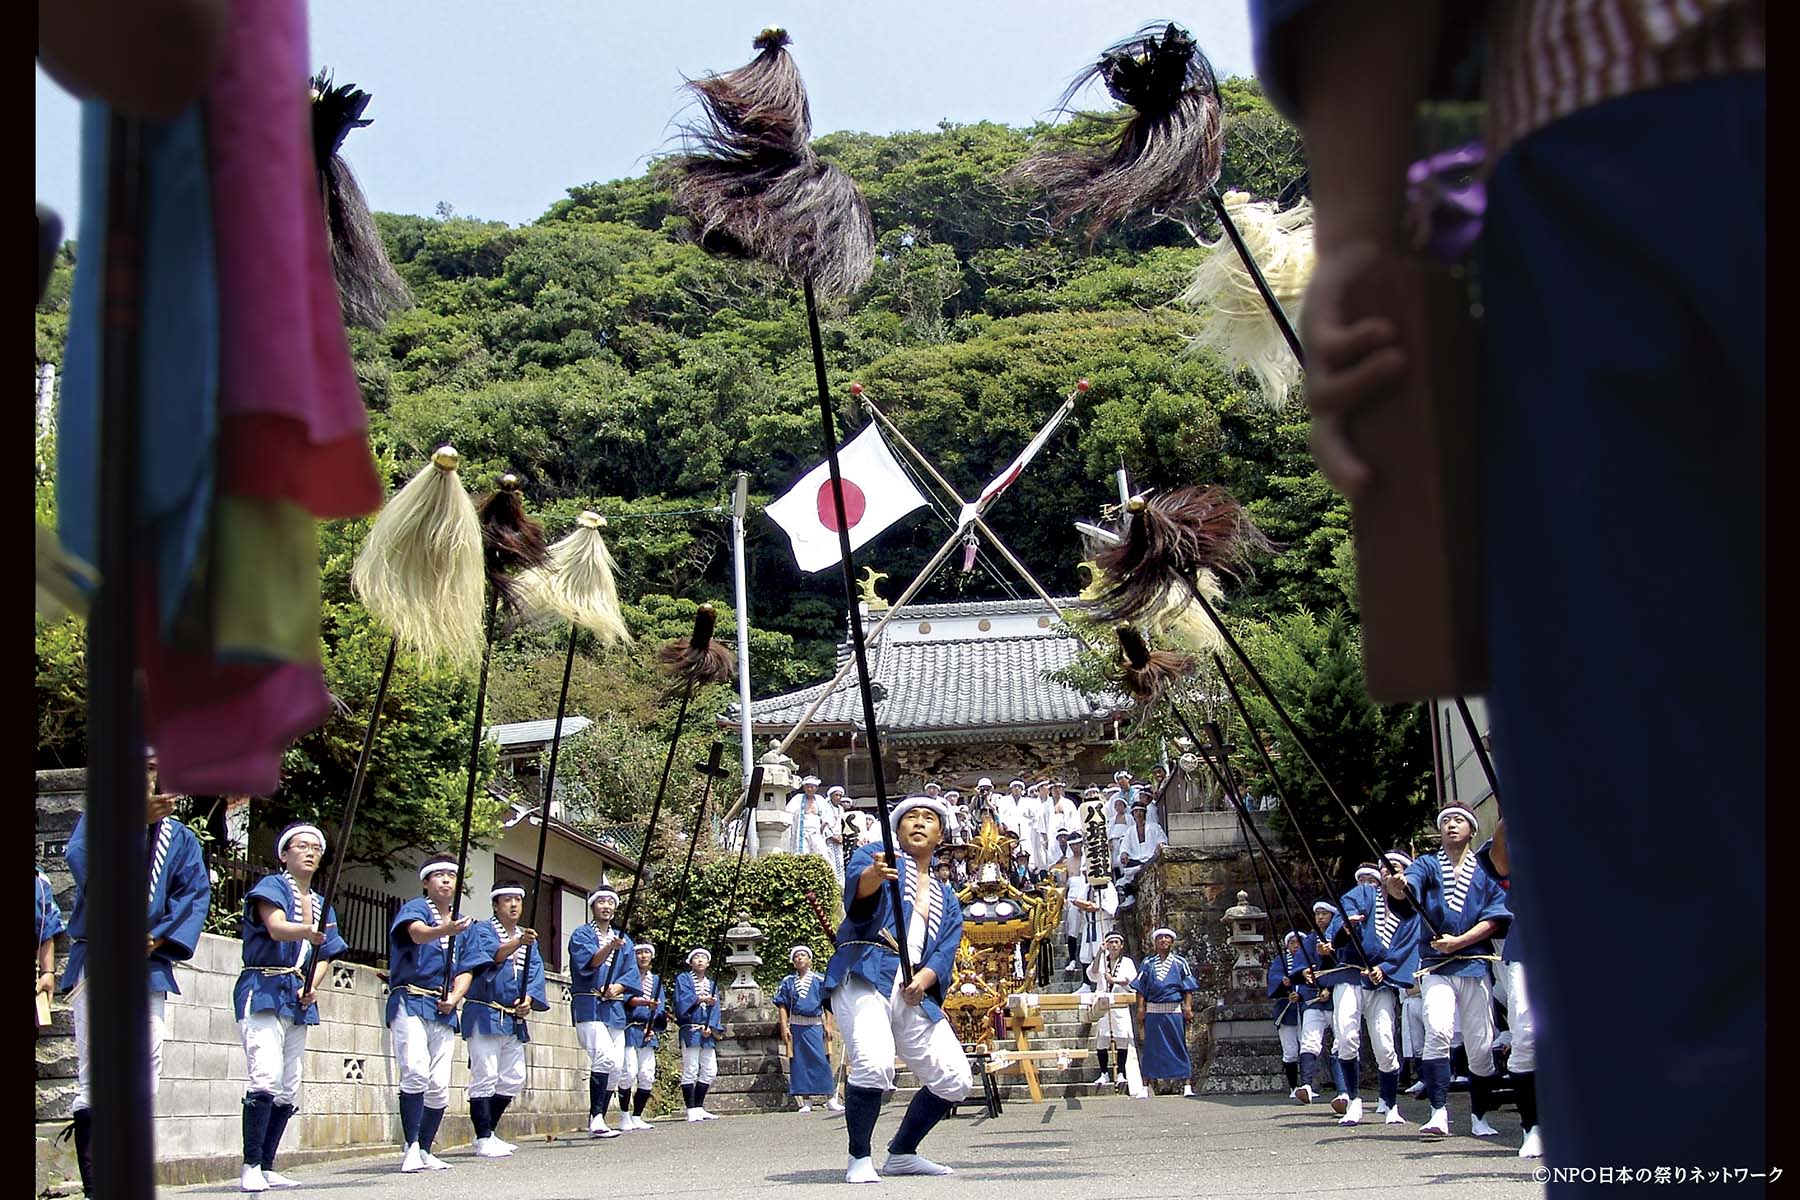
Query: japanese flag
{"x": 876, "y": 494}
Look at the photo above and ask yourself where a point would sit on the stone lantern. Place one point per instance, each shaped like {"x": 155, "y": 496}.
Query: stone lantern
{"x": 779, "y": 781}
{"x": 743, "y": 938}
{"x": 1245, "y": 920}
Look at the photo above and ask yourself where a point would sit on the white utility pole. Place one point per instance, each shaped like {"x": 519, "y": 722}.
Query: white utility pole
{"x": 740, "y": 506}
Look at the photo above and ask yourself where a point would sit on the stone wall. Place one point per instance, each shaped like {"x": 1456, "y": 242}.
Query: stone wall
{"x": 349, "y": 1101}
{"x": 1188, "y": 889}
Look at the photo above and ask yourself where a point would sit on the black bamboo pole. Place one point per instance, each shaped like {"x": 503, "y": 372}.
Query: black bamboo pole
{"x": 537, "y": 870}
{"x": 1481, "y": 754}
{"x": 1262, "y": 285}
{"x": 711, "y": 770}
{"x": 342, "y": 846}
{"x": 116, "y": 978}
{"x": 462, "y": 848}
{"x": 828, "y": 435}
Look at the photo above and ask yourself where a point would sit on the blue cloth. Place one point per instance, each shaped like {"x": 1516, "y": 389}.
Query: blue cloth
{"x": 646, "y": 1012}
{"x": 1399, "y": 957}
{"x": 701, "y": 1021}
{"x": 810, "y": 1073}
{"x": 279, "y": 994}
{"x": 177, "y": 909}
{"x": 1484, "y": 901}
{"x": 49, "y": 916}
{"x": 1624, "y": 445}
{"x": 1284, "y": 1011}
{"x": 492, "y": 983}
{"x": 588, "y": 978}
{"x": 178, "y": 354}
{"x": 412, "y": 965}
{"x": 1164, "y": 981}
{"x": 866, "y": 919}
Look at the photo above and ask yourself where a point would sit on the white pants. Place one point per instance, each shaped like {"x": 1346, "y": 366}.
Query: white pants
{"x": 1113, "y": 1028}
{"x": 1464, "y": 1002}
{"x": 1312, "y": 1030}
{"x": 1381, "y": 1013}
{"x": 1346, "y": 1019}
{"x": 422, "y": 1049}
{"x": 640, "y": 1069}
{"x": 1519, "y": 1019}
{"x": 1290, "y": 1042}
{"x": 496, "y": 1065}
{"x": 605, "y": 1045}
{"x": 1412, "y": 1025}
{"x": 699, "y": 1064}
{"x": 83, "y": 1063}
{"x": 273, "y": 1049}
{"x": 875, "y": 1028}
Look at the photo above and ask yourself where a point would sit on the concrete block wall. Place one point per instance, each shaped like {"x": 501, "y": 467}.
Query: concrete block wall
{"x": 349, "y": 1097}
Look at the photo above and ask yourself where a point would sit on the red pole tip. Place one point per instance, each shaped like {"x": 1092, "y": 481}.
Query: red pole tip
{"x": 856, "y": 389}
{"x": 1082, "y": 385}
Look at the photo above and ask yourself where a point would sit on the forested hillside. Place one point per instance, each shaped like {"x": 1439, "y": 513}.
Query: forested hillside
{"x": 612, "y": 365}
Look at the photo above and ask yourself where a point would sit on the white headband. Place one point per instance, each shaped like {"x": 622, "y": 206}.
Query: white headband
{"x": 696, "y": 952}
{"x": 792, "y": 954}
{"x": 1325, "y": 906}
{"x": 640, "y": 947}
{"x": 1398, "y": 859}
{"x": 432, "y": 868}
{"x": 1114, "y": 937}
{"x": 1159, "y": 932}
{"x": 934, "y": 803}
{"x": 296, "y": 831}
{"x": 1372, "y": 872}
{"x": 1457, "y": 810}
{"x": 605, "y": 889}
{"x": 506, "y": 891}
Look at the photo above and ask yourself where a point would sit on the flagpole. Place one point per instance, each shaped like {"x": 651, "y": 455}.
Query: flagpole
{"x": 739, "y": 509}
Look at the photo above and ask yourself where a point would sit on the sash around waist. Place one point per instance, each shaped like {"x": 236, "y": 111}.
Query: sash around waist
{"x": 1162, "y": 1006}
{"x": 806, "y": 1020}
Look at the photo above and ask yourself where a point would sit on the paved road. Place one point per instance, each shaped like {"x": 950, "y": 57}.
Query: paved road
{"x": 1164, "y": 1147}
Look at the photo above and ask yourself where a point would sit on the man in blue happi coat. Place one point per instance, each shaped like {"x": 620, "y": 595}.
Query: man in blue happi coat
{"x": 421, "y": 1015}
{"x": 1388, "y": 932}
{"x": 501, "y": 975}
{"x": 289, "y": 939}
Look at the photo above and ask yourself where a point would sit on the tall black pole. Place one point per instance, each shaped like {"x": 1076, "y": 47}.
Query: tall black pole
{"x": 342, "y": 845}
{"x": 711, "y": 770}
{"x": 1481, "y": 754}
{"x": 462, "y": 849}
{"x": 828, "y": 435}
{"x": 117, "y": 980}
{"x": 537, "y": 870}
{"x": 1256, "y": 276}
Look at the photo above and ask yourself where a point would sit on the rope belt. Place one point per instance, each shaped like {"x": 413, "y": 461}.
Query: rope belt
{"x": 270, "y": 972}
{"x": 1321, "y": 972}
{"x": 505, "y": 1008}
{"x": 1161, "y": 1006}
{"x": 806, "y": 1020}
{"x": 1455, "y": 958}
{"x": 415, "y": 990}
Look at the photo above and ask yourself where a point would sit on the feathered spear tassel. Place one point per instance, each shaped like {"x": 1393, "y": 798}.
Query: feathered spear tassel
{"x": 420, "y": 569}
{"x": 368, "y": 286}
{"x": 511, "y": 543}
{"x": 1148, "y": 673}
{"x": 699, "y": 659}
{"x": 1237, "y": 319}
{"x": 755, "y": 189}
{"x": 1162, "y": 150}
{"x": 1169, "y": 540}
{"x": 577, "y": 584}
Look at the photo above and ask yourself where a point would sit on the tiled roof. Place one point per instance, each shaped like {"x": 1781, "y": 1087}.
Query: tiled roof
{"x": 524, "y": 733}
{"x": 954, "y": 687}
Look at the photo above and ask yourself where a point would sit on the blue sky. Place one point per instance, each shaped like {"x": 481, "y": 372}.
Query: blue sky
{"x": 499, "y": 107}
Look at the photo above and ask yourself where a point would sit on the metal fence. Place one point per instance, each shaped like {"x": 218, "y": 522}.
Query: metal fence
{"x": 363, "y": 914}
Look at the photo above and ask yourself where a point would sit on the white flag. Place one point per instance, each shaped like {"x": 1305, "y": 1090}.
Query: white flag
{"x": 876, "y": 494}
{"x": 1004, "y": 480}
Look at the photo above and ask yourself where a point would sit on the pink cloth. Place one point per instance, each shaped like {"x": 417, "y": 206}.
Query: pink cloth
{"x": 284, "y": 352}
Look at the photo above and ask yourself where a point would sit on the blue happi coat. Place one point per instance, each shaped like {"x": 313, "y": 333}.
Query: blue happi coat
{"x": 494, "y": 986}
{"x": 1388, "y": 933}
{"x": 256, "y": 991}
{"x": 810, "y": 1074}
{"x": 1160, "y": 980}
{"x": 180, "y": 891}
{"x": 417, "y": 967}
{"x": 1283, "y": 982}
{"x": 702, "y": 1017}
{"x": 1481, "y": 900}
{"x": 49, "y": 916}
{"x": 863, "y": 951}
{"x": 646, "y": 1011}
{"x": 1514, "y": 948}
{"x": 589, "y": 975}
